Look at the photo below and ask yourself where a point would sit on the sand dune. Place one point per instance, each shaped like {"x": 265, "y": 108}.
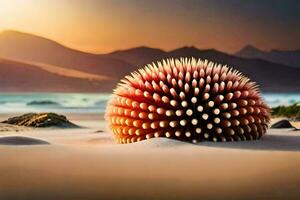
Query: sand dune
{"x": 12, "y": 128}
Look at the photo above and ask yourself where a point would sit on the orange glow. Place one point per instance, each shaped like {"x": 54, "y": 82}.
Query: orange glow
{"x": 104, "y": 26}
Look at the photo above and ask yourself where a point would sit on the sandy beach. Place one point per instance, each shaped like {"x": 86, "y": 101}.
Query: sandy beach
{"x": 87, "y": 164}
{"x": 196, "y": 72}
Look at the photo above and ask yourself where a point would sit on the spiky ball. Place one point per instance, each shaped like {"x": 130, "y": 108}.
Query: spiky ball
{"x": 187, "y": 99}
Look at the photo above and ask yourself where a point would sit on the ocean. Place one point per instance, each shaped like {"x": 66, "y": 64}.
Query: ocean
{"x": 90, "y": 103}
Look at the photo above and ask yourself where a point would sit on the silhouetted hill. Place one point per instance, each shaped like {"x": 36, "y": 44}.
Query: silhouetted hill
{"x": 139, "y": 55}
{"x": 291, "y": 58}
{"x": 210, "y": 54}
{"x": 16, "y": 45}
{"x": 23, "y": 77}
{"x": 271, "y": 76}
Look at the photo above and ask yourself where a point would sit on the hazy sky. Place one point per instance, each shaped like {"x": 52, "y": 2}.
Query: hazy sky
{"x": 107, "y": 25}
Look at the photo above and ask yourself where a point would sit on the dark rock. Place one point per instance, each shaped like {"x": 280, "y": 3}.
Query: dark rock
{"x": 282, "y": 124}
{"x": 99, "y": 131}
{"x": 20, "y": 140}
{"x": 41, "y": 120}
{"x": 42, "y": 103}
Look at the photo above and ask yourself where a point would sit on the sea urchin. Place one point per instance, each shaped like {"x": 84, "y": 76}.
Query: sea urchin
{"x": 187, "y": 99}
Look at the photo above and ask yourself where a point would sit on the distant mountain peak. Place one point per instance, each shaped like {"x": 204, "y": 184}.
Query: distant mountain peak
{"x": 250, "y": 48}
{"x": 137, "y": 55}
{"x": 193, "y": 51}
{"x": 250, "y": 51}
{"x": 143, "y": 47}
{"x": 189, "y": 48}
{"x": 139, "y": 49}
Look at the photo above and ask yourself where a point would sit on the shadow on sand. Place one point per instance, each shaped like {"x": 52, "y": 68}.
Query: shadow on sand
{"x": 267, "y": 142}
{"x": 21, "y": 140}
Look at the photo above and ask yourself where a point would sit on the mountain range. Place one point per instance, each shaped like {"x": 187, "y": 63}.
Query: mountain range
{"x": 33, "y": 63}
{"x": 291, "y": 58}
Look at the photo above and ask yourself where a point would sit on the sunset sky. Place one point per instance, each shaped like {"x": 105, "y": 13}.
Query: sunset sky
{"x": 107, "y": 25}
